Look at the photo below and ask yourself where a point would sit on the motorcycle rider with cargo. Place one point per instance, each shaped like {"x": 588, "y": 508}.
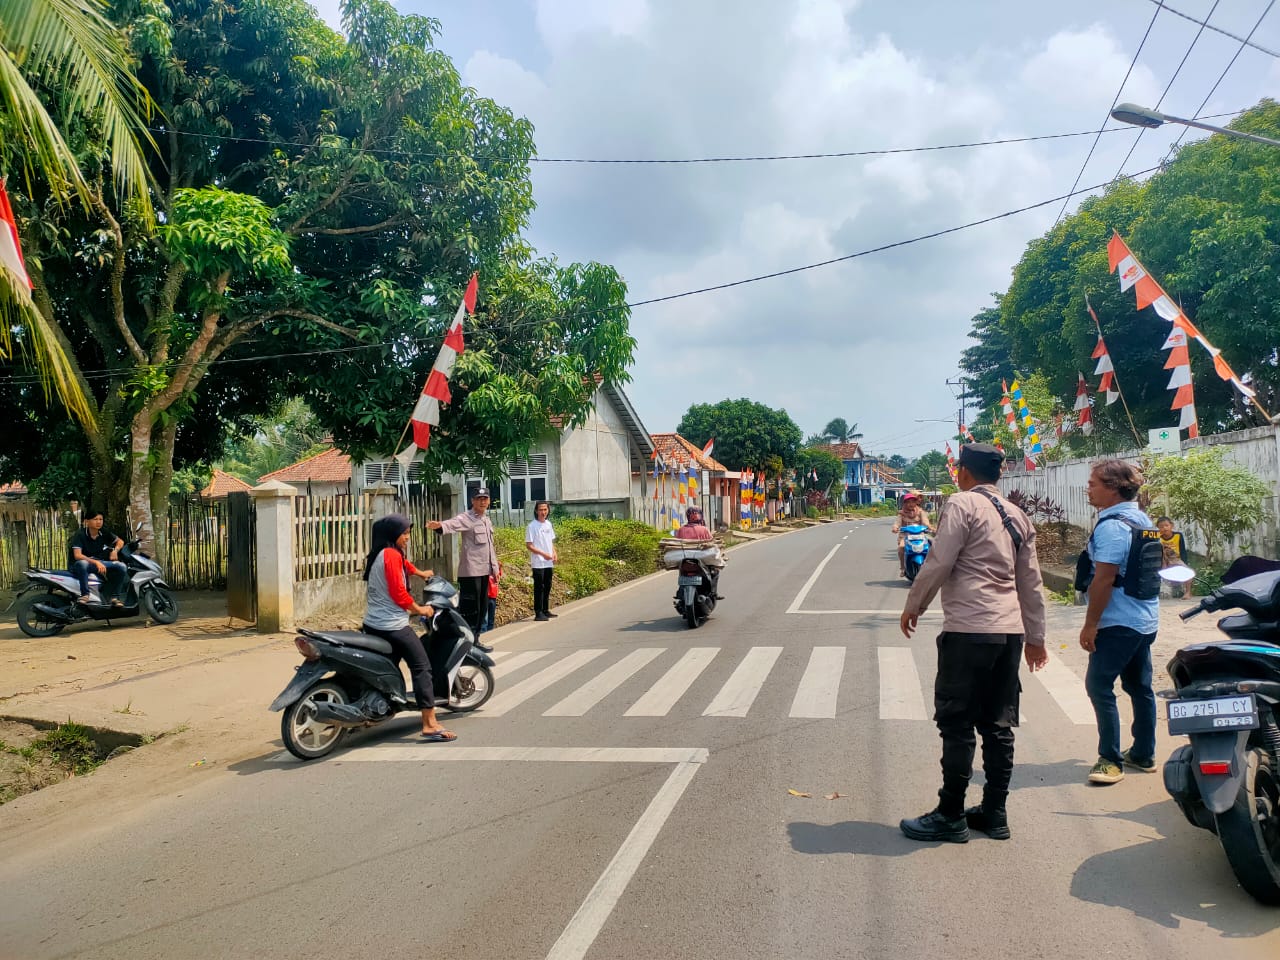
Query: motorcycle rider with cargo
{"x": 694, "y": 528}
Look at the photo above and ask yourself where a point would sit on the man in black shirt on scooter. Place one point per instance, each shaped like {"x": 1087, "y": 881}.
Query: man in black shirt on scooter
{"x": 96, "y": 549}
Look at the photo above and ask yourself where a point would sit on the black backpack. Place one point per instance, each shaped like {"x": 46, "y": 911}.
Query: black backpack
{"x": 1141, "y": 578}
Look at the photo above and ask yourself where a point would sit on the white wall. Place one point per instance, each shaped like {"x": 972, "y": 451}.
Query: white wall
{"x": 1258, "y": 450}
{"x": 595, "y": 459}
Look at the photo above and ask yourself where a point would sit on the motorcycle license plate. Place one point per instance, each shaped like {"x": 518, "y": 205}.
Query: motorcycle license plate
{"x": 1220, "y": 714}
{"x": 689, "y": 581}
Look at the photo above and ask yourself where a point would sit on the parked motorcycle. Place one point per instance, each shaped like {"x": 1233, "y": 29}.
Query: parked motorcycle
{"x": 349, "y": 679}
{"x": 915, "y": 547}
{"x": 1227, "y": 779}
{"x": 699, "y": 564}
{"x": 56, "y": 604}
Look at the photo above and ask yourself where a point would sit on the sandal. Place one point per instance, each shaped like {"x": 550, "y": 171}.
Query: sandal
{"x": 118, "y": 603}
{"x": 86, "y": 600}
{"x": 439, "y": 736}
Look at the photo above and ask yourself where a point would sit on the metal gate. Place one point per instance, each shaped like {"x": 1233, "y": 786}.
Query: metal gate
{"x": 242, "y": 566}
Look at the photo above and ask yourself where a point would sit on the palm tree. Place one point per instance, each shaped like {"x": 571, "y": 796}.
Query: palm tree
{"x": 68, "y": 46}
{"x": 840, "y": 430}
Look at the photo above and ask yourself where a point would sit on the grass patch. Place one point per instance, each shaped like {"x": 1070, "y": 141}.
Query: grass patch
{"x": 594, "y": 555}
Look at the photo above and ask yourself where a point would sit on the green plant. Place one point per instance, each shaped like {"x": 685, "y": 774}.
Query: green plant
{"x": 1066, "y": 596}
{"x": 73, "y": 745}
{"x": 1200, "y": 489}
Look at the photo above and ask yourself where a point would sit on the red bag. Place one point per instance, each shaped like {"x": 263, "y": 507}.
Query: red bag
{"x": 493, "y": 585}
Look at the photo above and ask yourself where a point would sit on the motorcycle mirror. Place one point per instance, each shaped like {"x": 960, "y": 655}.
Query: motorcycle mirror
{"x": 1177, "y": 574}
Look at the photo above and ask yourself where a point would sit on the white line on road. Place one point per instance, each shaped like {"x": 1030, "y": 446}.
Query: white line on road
{"x": 664, "y": 694}
{"x": 900, "y": 695}
{"x": 743, "y": 686}
{"x": 820, "y": 685}
{"x": 522, "y": 691}
{"x": 867, "y": 613}
{"x": 518, "y": 660}
{"x": 417, "y": 752}
{"x": 1067, "y": 690}
{"x": 586, "y": 924}
{"x": 599, "y": 687}
{"x": 804, "y": 591}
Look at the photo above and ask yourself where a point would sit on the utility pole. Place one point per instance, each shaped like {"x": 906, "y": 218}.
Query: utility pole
{"x": 960, "y": 382}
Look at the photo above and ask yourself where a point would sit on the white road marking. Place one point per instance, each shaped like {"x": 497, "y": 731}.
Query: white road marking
{"x": 804, "y": 591}
{"x": 497, "y": 655}
{"x": 743, "y": 686}
{"x": 900, "y": 694}
{"x": 820, "y": 685}
{"x": 590, "y": 917}
{"x": 416, "y": 752}
{"x": 510, "y": 699}
{"x": 518, "y": 660}
{"x": 599, "y": 687}
{"x": 664, "y": 694}
{"x": 1067, "y": 690}
{"x": 867, "y": 613}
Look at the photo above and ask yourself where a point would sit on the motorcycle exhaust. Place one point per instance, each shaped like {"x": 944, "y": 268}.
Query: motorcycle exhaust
{"x": 58, "y": 614}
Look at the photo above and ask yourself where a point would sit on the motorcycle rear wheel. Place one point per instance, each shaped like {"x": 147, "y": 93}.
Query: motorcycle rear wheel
{"x": 1250, "y": 830}
{"x": 35, "y": 624}
{"x": 160, "y": 605}
{"x": 304, "y": 736}
{"x": 472, "y": 688}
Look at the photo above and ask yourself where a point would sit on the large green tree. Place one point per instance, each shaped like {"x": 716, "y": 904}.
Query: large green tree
{"x": 1208, "y": 227}
{"x": 63, "y": 62}
{"x": 747, "y": 433}
{"x": 322, "y": 203}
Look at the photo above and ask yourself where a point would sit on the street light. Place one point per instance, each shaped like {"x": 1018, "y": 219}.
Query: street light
{"x": 1146, "y": 117}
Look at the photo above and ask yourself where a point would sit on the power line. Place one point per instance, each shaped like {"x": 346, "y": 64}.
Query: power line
{"x": 1194, "y": 40}
{"x": 644, "y": 161}
{"x": 637, "y": 303}
{"x": 1120, "y": 90}
{"x": 1222, "y": 76}
{"x": 1244, "y": 41}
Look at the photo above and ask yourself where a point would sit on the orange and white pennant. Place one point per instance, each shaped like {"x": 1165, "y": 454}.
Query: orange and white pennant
{"x": 1180, "y": 380}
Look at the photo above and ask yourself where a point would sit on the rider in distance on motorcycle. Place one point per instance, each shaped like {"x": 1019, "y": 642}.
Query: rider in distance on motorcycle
{"x": 911, "y": 513}
{"x": 693, "y": 529}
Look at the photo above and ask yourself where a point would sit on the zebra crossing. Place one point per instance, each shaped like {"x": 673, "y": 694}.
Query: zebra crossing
{"x": 586, "y": 681}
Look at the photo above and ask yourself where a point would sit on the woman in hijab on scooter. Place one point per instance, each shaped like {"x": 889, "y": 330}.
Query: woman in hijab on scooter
{"x": 388, "y": 606}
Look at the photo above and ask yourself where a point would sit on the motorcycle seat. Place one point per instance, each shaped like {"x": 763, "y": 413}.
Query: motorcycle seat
{"x": 93, "y": 577}
{"x": 351, "y": 638}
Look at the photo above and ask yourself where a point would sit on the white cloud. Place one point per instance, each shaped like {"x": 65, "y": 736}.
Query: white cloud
{"x": 1086, "y": 67}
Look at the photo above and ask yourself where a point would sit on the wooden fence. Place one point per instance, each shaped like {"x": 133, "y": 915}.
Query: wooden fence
{"x": 196, "y": 558}
{"x": 331, "y": 535}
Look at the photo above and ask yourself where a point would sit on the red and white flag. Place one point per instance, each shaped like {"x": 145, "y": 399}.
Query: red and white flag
{"x": 1084, "y": 409}
{"x": 711, "y": 445}
{"x": 10, "y": 247}
{"x": 1179, "y": 363}
{"x": 426, "y": 413}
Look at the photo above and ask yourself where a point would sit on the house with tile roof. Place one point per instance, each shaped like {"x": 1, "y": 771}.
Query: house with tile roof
{"x": 717, "y": 484}
{"x": 223, "y": 483}
{"x": 588, "y": 469}
{"x": 866, "y": 477}
{"x": 323, "y": 474}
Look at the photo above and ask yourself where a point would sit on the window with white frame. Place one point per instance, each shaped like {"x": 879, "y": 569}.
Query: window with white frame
{"x": 527, "y": 480}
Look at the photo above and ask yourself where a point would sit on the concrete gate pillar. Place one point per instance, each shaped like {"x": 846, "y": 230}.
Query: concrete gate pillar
{"x": 274, "y": 503}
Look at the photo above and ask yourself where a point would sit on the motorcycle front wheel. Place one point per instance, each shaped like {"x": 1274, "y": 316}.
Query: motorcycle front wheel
{"x": 1250, "y": 830}
{"x": 160, "y": 605}
{"x": 306, "y": 737}
{"x": 36, "y": 624}
{"x": 472, "y": 688}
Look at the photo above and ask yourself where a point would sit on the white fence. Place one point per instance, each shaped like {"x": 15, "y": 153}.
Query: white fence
{"x": 1258, "y": 450}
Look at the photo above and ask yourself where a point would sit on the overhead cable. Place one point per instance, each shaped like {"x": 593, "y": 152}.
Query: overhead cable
{"x": 1244, "y": 41}
{"x": 1114, "y": 101}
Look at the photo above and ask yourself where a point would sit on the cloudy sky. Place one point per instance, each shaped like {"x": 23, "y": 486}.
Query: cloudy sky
{"x": 874, "y": 339}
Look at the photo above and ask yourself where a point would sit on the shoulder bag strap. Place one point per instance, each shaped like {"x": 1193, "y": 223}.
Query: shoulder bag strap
{"x": 1005, "y": 519}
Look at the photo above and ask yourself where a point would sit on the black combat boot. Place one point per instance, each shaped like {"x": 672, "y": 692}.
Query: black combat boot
{"x": 993, "y": 821}
{"x": 936, "y": 825}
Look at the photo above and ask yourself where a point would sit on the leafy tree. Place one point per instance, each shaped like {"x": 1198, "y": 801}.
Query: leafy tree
{"x": 830, "y": 469}
{"x": 324, "y": 197}
{"x": 840, "y": 430}
{"x": 986, "y": 363}
{"x": 62, "y": 60}
{"x": 272, "y": 442}
{"x": 747, "y": 433}
{"x": 1198, "y": 488}
{"x": 898, "y": 462}
{"x": 928, "y": 470}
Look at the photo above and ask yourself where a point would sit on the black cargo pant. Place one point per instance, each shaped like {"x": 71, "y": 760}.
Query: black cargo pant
{"x": 976, "y": 689}
{"x": 473, "y": 599}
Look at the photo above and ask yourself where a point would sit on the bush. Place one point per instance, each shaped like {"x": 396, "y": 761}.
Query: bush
{"x": 1198, "y": 488}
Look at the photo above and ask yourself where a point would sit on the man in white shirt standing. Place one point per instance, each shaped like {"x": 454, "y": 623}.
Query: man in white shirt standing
{"x": 540, "y": 541}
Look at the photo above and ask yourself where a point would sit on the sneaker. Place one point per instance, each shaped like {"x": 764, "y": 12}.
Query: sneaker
{"x": 1104, "y": 771}
{"x": 936, "y": 826}
{"x": 482, "y": 647}
{"x": 1138, "y": 763}
{"x": 541, "y": 617}
{"x": 994, "y": 823}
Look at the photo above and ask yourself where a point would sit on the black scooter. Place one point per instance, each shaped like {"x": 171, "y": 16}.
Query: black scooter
{"x": 349, "y": 679}
{"x": 1227, "y": 700}
{"x": 696, "y": 590}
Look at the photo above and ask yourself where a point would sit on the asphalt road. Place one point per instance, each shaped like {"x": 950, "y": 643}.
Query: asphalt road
{"x": 626, "y": 796}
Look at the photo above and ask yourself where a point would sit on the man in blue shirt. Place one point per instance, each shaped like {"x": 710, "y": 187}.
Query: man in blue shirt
{"x": 1118, "y": 629}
